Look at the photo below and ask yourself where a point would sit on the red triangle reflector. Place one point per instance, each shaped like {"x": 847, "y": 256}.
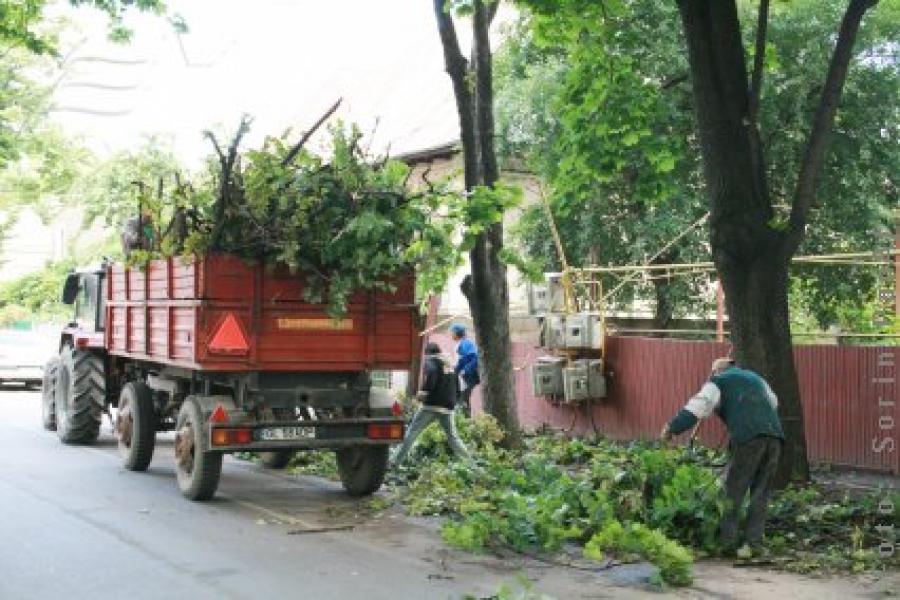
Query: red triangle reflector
{"x": 229, "y": 338}
{"x": 219, "y": 415}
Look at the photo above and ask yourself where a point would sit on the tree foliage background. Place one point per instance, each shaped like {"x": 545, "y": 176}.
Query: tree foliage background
{"x": 604, "y": 114}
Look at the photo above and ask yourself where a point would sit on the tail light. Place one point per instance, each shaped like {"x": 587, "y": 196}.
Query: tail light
{"x": 232, "y": 437}
{"x": 385, "y": 431}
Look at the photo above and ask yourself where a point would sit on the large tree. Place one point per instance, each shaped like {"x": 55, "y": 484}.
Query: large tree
{"x": 575, "y": 105}
{"x": 752, "y": 237}
{"x": 486, "y": 288}
{"x": 751, "y": 245}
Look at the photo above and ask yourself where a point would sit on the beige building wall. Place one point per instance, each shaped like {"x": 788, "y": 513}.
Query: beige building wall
{"x": 445, "y": 161}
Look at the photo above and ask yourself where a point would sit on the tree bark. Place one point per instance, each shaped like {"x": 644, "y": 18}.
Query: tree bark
{"x": 759, "y": 320}
{"x": 664, "y": 310}
{"x": 486, "y": 289}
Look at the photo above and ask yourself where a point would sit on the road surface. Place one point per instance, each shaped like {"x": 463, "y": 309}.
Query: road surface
{"x": 75, "y": 525}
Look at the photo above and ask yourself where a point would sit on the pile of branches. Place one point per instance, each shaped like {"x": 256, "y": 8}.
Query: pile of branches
{"x": 621, "y": 502}
{"x": 343, "y": 222}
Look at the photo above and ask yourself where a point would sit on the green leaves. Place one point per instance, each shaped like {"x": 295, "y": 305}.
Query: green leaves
{"x": 625, "y": 502}
{"x": 594, "y": 97}
{"x": 344, "y": 222}
{"x": 633, "y": 540}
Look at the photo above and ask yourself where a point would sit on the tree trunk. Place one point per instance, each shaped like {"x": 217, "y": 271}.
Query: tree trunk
{"x": 749, "y": 253}
{"x": 756, "y": 297}
{"x": 664, "y": 310}
{"x": 486, "y": 289}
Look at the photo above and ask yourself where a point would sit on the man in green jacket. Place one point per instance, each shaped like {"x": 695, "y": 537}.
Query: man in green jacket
{"x": 749, "y": 409}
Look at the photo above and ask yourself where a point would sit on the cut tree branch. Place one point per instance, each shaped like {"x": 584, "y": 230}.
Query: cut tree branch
{"x": 297, "y": 147}
{"x": 823, "y": 120}
{"x": 759, "y": 56}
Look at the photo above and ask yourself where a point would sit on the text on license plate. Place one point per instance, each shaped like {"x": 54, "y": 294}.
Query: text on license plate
{"x": 286, "y": 433}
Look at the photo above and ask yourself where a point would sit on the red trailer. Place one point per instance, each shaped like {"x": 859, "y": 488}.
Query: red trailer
{"x": 232, "y": 357}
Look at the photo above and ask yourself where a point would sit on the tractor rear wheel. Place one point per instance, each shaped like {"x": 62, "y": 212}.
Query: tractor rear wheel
{"x": 80, "y": 396}
{"x": 48, "y": 394}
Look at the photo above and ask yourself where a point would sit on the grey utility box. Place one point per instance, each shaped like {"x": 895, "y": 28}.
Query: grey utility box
{"x": 596, "y": 378}
{"x": 547, "y": 377}
{"x": 538, "y": 299}
{"x": 555, "y": 331}
{"x": 555, "y": 295}
{"x": 584, "y": 380}
{"x": 575, "y": 383}
{"x": 584, "y": 330}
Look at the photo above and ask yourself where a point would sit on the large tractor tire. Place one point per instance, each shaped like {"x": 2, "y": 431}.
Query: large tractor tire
{"x": 48, "y": 394}
{"x": 198, "y": 471}
{"x": 276, "y": 459}
{"x": 362, "y": 468}
{"x": 136, "y": 426}
{"x": 80, "y": 396}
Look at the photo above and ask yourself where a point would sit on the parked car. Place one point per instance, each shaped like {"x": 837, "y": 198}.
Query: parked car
{"x": 22, "y": 357}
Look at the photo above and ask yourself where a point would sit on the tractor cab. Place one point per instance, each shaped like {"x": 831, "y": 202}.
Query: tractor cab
{"x": 84, "y": 290}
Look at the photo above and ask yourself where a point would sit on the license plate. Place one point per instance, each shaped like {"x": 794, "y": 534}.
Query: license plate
{"x": 286, "y": 433}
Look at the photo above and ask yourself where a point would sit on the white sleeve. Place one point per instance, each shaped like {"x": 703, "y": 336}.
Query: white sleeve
{"x": 705, "y": 401}
{"x": 773, "y": 399}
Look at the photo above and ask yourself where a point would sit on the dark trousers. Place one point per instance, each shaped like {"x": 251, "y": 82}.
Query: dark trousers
{"x": 752, "y": 466}
{"x": 464, "y": 402}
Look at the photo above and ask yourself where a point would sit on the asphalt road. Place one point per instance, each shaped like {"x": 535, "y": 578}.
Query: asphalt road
{"x": 75, "y": 524}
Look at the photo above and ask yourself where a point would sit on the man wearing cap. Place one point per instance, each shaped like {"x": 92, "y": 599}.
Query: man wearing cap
{"x": 439, "y": 387}
{"x": 466, "y": 366}
{"x": 748, "y": 407}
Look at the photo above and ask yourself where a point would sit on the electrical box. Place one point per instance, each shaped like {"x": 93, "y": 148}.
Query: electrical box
{"x": 596, "y": 378}
{"x": 575, "y": 382}
{"x": 555, "y": 294}
{"x": 546, "y": 376}
{"x": 584, "y": 380}
{"x": 538, "y": 299}
{"x": 584, "y": 330}
{"x": 555, "y": 331}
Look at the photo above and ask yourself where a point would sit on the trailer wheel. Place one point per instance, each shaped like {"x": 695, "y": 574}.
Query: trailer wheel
{"x": 79, "y": 397}
{"x": 362, "y": 468}
{"x": 276, "y": 459}
{"x": 48, "y": 394}
{"x": 198, "y": 471}
{"x": 136, "y": 426}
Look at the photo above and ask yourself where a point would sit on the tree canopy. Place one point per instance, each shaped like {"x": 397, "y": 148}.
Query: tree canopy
{"x": 603, "y": 112}
{"x": 23, "y": 22}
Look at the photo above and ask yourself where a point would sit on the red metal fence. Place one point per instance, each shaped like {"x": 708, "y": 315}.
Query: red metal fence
{"x": 850, "y": 395}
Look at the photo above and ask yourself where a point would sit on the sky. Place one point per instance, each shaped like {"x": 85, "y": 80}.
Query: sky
{"x": 283, "y": 62}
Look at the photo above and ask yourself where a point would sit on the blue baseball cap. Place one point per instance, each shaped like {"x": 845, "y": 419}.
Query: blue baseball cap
{"x": 458, "y": 329}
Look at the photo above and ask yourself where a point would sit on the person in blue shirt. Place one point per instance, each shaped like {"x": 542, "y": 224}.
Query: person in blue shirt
{"x": 466, "y": 366}
{"x": 749, "y": 408}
